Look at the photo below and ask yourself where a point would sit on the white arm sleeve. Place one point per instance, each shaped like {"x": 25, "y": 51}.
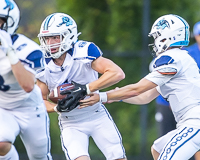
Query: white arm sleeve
{"x": 158, "y": 78}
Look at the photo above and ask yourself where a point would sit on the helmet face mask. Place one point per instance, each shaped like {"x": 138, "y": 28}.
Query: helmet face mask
{"x": 9, "y": 12}
{"x": 169, "y": 31}
{"x": 50, "y": 49}
{"x": 58, "y": 24}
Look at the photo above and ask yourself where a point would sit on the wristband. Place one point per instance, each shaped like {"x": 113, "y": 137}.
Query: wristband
{"x": 88, "y": 89}
{"x": 103, "y": 97}
{"x": 12, "y": 56}
{"x": 55, "y": 109}
{"x": 121, "y": 101}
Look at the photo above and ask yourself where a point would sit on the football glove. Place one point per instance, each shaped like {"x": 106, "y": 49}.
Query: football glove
{"x": 72, "y": 98}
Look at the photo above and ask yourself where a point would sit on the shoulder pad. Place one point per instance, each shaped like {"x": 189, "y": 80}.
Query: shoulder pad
{"x": 163, "y": 60}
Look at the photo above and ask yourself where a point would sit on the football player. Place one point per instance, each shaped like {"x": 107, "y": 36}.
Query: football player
{"x": 69, "y": 59}
{"x": 176, "y": 77}
{"x": 22, "y": 110}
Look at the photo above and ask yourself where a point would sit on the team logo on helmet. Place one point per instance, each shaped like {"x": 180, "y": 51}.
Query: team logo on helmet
{"x": 9, "y": 5}
{"x": 162, "y": 24}
{"x": 66, "y": 20}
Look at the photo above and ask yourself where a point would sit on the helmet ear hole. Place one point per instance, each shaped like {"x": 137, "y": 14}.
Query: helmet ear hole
{"x": 3, "y": 19}
{"x": 163, "y": 40}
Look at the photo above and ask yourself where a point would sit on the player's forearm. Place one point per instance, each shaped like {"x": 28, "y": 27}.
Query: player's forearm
{"x": 106, "y": 80}
{"x": 143, "y": 98}
{"x": 136, "y": 89}
{"x": 49, "y": 106}
{"x": 122, "y": 93}
{"x": 25, "y": 78}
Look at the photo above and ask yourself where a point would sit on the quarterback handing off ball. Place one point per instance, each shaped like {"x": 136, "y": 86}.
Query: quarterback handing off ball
{"x": 55, "y": 95}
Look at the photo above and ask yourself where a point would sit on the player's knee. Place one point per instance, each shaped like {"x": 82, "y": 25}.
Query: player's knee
{"x": 4, "y": 148}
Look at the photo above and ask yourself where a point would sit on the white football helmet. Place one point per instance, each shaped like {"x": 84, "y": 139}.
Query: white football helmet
{"x": 10, "y": 13}
{"x": 58, "y": 24}
{"x": 169, "y": 31}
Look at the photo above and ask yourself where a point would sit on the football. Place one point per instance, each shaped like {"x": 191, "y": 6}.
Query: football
{"x": 55, "y": 95}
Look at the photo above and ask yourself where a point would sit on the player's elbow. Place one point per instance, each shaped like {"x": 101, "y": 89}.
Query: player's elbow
{"x": 28, "y": 87}
{"x": 120, "y": 75}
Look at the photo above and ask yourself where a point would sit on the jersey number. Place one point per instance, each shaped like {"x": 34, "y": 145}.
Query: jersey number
{"x": 2, "y": 86}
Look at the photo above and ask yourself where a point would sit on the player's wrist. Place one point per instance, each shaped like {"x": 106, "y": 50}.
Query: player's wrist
{"x": 88, "y": 89}
{"x": 55, "y": 109}
{"x": 103, "y": 97}
{"x": 12, "y": 56}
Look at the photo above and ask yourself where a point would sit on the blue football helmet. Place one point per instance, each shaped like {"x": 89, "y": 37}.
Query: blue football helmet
{"x": 169, "y": 31}
{"x": 58, "y": 24}
{"x": 10, "y": 14}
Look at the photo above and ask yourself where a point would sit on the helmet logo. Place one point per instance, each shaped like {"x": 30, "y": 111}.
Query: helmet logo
{"x": 9, "y": 5}
{"x": 162, "y": 24}
{"x": 65, "y": 20}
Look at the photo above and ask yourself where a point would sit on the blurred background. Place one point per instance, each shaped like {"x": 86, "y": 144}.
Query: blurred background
{"x": 120, "y": 29}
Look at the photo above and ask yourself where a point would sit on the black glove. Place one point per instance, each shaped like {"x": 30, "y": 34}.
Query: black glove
{"x": 72, "y": 98}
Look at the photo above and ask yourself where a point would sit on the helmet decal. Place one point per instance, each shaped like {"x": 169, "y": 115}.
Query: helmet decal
{"x": 65, "y": 20}
{"x": 162, "y": 24}
{"x": 47, "y": 21}
{"x": 9, "y": 5}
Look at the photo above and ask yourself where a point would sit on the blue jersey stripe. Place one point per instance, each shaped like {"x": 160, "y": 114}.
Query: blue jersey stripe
{"x": 82, "y": 58}
{"x": 177, "y": 141}
{"x": 120, "y": 137}
{"x": 184, "y": 143}
{"x": 62, "y": 141}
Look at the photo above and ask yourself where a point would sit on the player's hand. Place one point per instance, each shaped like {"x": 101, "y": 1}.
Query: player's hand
{"x": 6, "y": 46}
{"x": 72, "y": 98}
{"x": 66, "y": 105}
{"x": 5, "y": 40}
{"x": 93, "y": 99}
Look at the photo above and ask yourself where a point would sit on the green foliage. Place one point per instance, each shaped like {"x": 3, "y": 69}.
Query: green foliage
{"x": 55, "y": 134}
{"x": 32, "y": 14}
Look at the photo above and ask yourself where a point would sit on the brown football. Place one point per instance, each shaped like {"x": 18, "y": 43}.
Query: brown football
{"x": 55, "y": 95}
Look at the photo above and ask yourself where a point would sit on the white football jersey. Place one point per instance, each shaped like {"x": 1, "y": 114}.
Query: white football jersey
{"x": 76, "y": 67}
{"x": 178, "y": 79}
{"x": 31, "y": 56}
